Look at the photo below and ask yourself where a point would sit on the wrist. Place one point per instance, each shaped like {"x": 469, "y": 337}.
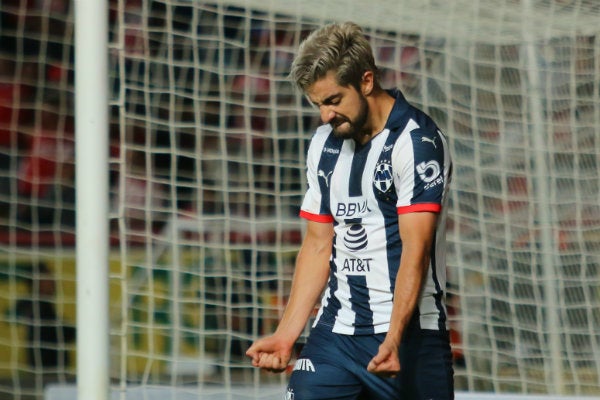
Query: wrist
{"x": 285, "y": 336}
{"x": 394, "y": 337}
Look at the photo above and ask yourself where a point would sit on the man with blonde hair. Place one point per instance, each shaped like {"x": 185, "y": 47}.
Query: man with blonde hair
{"x": 378, "y": 172}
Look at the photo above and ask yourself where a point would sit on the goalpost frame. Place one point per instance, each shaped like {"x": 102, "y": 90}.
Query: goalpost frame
{"x": 91, "y": 148}
{"x": 554, "y": 377}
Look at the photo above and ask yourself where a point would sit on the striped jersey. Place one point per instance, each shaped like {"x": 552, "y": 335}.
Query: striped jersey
{"x": 362, "y": 189}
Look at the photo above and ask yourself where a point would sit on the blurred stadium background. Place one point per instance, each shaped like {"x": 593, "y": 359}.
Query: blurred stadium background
{"x": 207, "y": 145}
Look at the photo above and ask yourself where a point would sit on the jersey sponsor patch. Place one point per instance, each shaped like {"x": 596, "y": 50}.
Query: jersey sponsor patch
{"x": 352, "y": 209}
{"x": 429, "y": 171}
{"x": 356, "y": 266}
{"x": 356, "y": 238}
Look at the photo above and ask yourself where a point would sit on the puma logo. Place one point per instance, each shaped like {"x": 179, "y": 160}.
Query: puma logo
{"x": 432, "y": 141}
{"x": 325, "y": 176}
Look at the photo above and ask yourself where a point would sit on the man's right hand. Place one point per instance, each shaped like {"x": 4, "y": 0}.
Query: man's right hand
{"x": 270, "y": 353}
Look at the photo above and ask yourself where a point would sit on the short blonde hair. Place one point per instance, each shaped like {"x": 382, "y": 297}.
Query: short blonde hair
{"x": 342, "y": 48}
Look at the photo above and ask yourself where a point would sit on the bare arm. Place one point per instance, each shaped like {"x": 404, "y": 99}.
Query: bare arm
{"x": 310, "y": 277}
{"x": 416, "y": 232}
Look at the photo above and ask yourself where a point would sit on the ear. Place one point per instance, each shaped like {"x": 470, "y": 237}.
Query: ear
{"x": 366, "y": 85}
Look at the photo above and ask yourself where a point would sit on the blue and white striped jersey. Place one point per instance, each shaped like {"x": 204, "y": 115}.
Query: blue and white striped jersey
{"x": 362, "y": 190}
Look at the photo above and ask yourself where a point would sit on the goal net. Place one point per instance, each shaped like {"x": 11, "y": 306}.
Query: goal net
{"x": 208, "y": 143}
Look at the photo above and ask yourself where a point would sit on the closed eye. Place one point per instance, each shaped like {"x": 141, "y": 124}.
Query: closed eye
{"x": 333, "y": 100}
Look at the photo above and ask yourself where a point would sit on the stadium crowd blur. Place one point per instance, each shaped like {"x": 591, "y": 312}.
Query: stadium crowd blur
{"x": 36, "y": 116}
{"x": 37, "y": 194}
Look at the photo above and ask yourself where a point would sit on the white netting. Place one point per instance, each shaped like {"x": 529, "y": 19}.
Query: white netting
{"x": 207, "y": 174}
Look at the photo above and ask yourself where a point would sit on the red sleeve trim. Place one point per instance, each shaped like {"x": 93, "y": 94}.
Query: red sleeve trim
{"x": 316, "y": 217}
{"x": 421, "y": 207}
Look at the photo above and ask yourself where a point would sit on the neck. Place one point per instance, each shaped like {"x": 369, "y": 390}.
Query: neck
{"x": 380, "y": 106}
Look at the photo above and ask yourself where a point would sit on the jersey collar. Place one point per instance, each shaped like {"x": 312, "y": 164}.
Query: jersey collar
{"x": 401, "y": 106}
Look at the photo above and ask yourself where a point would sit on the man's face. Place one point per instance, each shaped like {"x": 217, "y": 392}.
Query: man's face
{"x": 344, "y": 108}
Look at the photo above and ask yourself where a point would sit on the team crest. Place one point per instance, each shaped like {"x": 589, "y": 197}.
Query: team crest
{"x": 383, "y": 178}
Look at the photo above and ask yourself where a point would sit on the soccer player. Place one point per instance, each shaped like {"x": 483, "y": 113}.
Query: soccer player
{"x": 374, "y": 250}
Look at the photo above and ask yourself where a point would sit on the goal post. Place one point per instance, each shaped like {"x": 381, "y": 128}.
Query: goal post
{"x": 207, "y": 145}
{"x": 92, "y": 200}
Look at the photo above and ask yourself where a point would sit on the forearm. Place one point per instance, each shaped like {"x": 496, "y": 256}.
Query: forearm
{"x": 409, "y": 283}
{"x": 416, "y": 231}
{"x": 310, "y": 277}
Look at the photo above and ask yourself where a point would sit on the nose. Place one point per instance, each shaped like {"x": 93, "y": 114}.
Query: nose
{"x": 327, "y": 114}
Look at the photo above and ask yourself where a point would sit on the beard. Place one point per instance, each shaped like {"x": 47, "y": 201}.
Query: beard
{"x": 345, "y": 128}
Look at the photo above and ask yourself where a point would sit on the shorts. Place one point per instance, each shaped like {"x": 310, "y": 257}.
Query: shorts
{"x": 334, "y": 366}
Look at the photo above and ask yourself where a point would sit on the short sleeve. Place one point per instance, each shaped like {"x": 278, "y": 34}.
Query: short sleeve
{"x": 419, "y": 171}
